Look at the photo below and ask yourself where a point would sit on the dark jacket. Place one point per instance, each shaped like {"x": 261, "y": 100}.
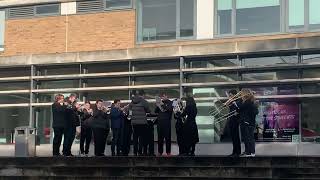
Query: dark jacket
{"x": 190, "y": 126}
{"x": 72, "y": 116}
{"x": 234, "y": 107}
{"x": 85, "y": 118}
{"x": 100, "y": 119}
{"x": 138, "y": 109}
{"x": 116, "y": 118}
{"x": 164, "y": 118}
{"x": 248, "y": 112}
{"x": 58, "y": 115}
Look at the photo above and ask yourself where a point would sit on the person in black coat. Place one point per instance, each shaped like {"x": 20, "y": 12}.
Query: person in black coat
{"x": 179, "y": 126}
{"x": 248, "y": 111}
{"x": 100, "y": 127}
{"x": 164, "y": 111}
{"x": 58, "y": 123}
{"x": 190, "y": 128}
{"x": 116, "y": 126}
{"x": 234, "y": 123}
{"x": 72, "y": 121}
{"x": 126, "y": 133}
{"x": 86, "y": 131}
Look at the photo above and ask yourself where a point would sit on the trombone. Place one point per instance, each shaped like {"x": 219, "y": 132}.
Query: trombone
{"x": 226, "y": 105}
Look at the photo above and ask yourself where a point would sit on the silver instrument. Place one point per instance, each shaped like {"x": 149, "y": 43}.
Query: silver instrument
{"x": 159, "y": 104}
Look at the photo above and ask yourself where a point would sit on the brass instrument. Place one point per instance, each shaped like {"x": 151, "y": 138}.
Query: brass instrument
{"x": 179, "y": 106}
{"x": 225, "y": 106}
{"x": 159, "y": 104}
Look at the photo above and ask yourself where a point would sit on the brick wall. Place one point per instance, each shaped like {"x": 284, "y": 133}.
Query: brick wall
{"x": 86, "y": 32}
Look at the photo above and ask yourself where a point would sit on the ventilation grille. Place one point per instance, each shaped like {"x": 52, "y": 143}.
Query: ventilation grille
{"x": 21, "y": 12}
{"x": 90, "y": 6}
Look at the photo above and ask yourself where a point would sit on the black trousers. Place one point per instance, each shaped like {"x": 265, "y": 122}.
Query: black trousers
{"x": 116, "y": 135}
{"x": 69, "y": 135}
{"x": 85, "y": 139}
{"x": 164, "y": 134}
{"x": 139, "y": 139}
{"x": 58, "y": 133}
{"x": 126, "y": 138}
{"x": 150, "y": 138}
{"x": 235, "y": 137}
{"x": 100, "y": 139}
{"x": 180, "y": 139}
{"x": 248, "y": 138}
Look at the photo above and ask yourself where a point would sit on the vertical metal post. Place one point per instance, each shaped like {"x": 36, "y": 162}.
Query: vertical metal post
{"x": 31, "y": 123}
{"x": 181, "y": 76}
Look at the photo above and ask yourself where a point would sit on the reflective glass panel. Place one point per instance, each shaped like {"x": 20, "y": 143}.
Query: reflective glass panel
{"x": 118, "y": 3}
{"x": 186, "y": 18}
{"x": 224, "y": 17}
{"x": 219, "y": 77}
{"x": 211, "y": 62}
{"x": 314, "y": 15}
{"x": 265, "y": 61}
{"x": 270, "y": 75}
{"x": 296, "y": 14}
{"x": 310, "y": 124}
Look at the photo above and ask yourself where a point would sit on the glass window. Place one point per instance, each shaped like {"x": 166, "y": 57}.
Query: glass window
{"x": 278, "y": 75}
{"x": 118, "y": 3}
{"x": 212, "y": 63}
{"x": 2, "y": 29}
{"x": 219, "y": 77}
{"x": 312, "y": 58}
{"x": 11, "y": 118}
{"x": 47, "y": 9}
{"x": 257, "y": 16}
{"x": 14, "y": 72}
{"x": 311, "y": 88}
{"x": 158, "y": 20}
{"x": 186, "y": 18}
{"x": 265, "y": 61}
{"x": 152, "y": 93}
{"x": 107, "y": 95}
{"x": 274, "y": 90}
{"x": 58, "y": 70}
{"x": 146, "y": 80}
{"x": 208, "y": 92}
{"x": 59, "y": 84}
{"x": 107, "y": 67}
{"x": 296, "y": 14}
{"x": 43, "y": 123}
{"x": 314, "y": 15}
{"x": 103, "y": 82}
{"x": 14, "y": 98}
{"x": 310, "y": 124}
{"x": 224, "y": 17}
{"x": 156, "y": 65}
{"x": 311, "y": 73}
{"x": 7, "y": 86}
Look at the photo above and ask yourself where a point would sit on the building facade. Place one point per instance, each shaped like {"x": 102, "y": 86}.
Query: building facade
{"x": 204, "y": 48}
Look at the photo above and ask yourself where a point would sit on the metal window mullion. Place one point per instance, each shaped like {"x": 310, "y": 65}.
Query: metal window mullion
{"x": 306, "y": 15}
{"x": 282, "y": 16}
{"x": 178, "y": 9}
{"x": 234, "y": 17}
{"x": 31, "y": 123}
{"x": 139, "y": 21}
{"x": 181, "y": 76}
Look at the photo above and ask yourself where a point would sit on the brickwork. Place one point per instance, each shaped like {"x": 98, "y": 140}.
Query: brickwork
{"x": 85, "y": 32}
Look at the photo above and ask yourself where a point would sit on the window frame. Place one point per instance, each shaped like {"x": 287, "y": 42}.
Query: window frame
{"x": 139, "y": 39}
{"x": 105, "y": 8}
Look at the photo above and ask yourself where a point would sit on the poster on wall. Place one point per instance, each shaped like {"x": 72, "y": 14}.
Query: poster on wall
{"x": 278, "y": 120}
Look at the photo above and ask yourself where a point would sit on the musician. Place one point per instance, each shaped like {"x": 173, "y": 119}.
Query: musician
{"x": 164, "y": 111}
{"x": 72, "y": 121}
{"x": 116, "y": 126}
{"x": 234, "y": 123}
{"x": 100, "y": 127}
{"x": 138, "y": 110}
{"x": 179, "y": 126}
{"x": 86, "y": 131}
{"x": 126, "y": 132}
{"x": 190, "y": 128}
{"x": 58, "y": 123}
{"x": 248, "y": 111}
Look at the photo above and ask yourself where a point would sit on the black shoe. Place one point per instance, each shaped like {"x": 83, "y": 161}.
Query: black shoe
{"x": 234, "y": 155}
{"x": 113, "y": 154}
{"x": 57, "y": 155}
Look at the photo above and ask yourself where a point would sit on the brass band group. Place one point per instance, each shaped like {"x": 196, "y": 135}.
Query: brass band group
{"x": 135, "y": 123}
